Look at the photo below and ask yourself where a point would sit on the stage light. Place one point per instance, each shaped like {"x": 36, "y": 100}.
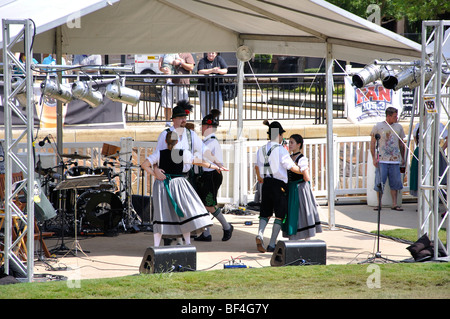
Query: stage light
{"x": 57, "y": 91}
{"x": 369, "y": 74}
{"x": 410, "y": 77}
{"x": 83, "y": 91}
{"x": 116, "y": 92}
{"x": 388, "y": 78}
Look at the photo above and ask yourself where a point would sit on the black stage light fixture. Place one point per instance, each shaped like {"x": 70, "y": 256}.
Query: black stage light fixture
{"x": 370, "y": 73}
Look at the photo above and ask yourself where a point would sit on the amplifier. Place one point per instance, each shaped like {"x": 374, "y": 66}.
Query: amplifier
{"x": 299, "y": 252}
{"x": 141, "y": 205}
{"x": 169, "y": 259}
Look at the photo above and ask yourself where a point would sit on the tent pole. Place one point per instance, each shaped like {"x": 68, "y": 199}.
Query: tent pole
{"x": 240, "y": 98}
{"x": 59, "y": 108}
{"x": 330, "y": 151}
{"x": 239, "y": 193}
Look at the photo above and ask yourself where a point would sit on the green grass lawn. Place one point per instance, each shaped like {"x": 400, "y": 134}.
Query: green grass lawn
{"x": 410, "y": 234}
{"x": 406, "y": 280}
{"x": 367, "y": 281}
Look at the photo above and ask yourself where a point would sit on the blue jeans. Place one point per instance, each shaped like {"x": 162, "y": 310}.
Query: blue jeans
{"x": 391, "y": 171}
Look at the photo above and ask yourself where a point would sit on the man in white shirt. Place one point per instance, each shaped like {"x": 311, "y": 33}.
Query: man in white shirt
{"x": 273, "y": 162}
{"x": 187, "y": 139}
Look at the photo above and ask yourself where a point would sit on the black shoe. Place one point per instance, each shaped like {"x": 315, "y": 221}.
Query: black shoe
{"x": 227, "y": 233}
{"x": 270, "y": 249}
{"x": 203, "y": 238}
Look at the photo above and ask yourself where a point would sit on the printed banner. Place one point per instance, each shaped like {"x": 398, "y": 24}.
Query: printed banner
{"x": 368, "y": 104}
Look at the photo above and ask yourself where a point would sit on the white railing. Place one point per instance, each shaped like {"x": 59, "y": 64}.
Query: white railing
{"x": 351, "y": 156}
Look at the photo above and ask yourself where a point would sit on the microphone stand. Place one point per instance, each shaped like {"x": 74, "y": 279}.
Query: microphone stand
{"x": 63, "y": 249}
{"x": 380, "y": 187}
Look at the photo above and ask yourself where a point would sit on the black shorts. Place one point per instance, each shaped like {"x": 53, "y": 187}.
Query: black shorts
{"x": 274, "y": 198}
{"x": 208, "y": 184}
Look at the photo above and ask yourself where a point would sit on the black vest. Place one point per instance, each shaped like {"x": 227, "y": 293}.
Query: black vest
{"x": 171, "y": 161}
{"x": 293, "y": 177}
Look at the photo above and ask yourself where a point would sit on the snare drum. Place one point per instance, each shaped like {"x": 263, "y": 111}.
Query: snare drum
{"x": 79, "y": 170}
{"x": 104, "y": 171}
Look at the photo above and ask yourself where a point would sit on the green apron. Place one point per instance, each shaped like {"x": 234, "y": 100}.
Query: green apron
{"x": 290, "y": 223}
{"x": 169, "y": 193}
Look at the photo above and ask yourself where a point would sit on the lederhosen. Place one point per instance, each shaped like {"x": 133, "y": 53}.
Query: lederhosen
{"x": 208, "y": 184}
{"x": 274, "y": 191}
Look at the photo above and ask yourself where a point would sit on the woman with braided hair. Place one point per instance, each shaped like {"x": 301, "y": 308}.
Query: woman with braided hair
{"x": 178, "y": 210}
{"x": 302, "y": 221}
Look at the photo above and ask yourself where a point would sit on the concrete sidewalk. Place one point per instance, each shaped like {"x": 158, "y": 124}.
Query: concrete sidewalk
{"x": 121, "y": 255}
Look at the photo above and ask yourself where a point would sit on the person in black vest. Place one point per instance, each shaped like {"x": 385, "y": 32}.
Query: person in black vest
{"x": 208, "y": 180}
{"x": 187, "y": 139}
{"x": 273, "y": 162}
{"x": 302, "y": 220}
{"x": 177, "y": 209}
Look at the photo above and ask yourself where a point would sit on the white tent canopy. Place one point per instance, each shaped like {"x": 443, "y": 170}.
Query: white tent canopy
{"x": 283, "y": 27}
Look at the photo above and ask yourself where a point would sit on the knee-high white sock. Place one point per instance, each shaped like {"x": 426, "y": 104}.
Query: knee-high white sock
{"x": 187, "y": 238}
{"x": 263, "y": 221}
{"x": 275, "y": 231}
{"x": 218, "y": 214}
{"x": 206, "y": 232}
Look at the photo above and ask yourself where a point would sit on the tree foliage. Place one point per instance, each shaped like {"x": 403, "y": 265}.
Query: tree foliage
{"x": 412, "y": 10}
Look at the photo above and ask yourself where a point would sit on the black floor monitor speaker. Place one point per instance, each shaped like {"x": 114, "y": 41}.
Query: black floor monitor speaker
{"x": 169, "y": 259}
{"x": 299, "y": 252}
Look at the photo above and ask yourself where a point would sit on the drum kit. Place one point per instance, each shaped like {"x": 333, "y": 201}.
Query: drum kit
{"x": 89, "y": 200}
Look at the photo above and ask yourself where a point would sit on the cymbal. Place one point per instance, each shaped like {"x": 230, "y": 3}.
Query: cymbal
{"x": 117, "y": 154}
{"x": 75, "y": 156}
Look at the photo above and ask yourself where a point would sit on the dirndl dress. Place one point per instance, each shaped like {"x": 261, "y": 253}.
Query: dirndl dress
{"x": 177, "y": 208}
{"x": 414, "y": 174}
{"x": 302, "y": 220}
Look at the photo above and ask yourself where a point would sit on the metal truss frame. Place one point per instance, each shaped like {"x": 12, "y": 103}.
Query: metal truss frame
{"x": 12, "y": 67}
{"x": 434, "y": 107}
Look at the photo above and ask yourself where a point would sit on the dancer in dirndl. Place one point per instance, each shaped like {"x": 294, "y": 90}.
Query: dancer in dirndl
{"x": 302, "y": 220}
{"x": 177, "y": 209}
